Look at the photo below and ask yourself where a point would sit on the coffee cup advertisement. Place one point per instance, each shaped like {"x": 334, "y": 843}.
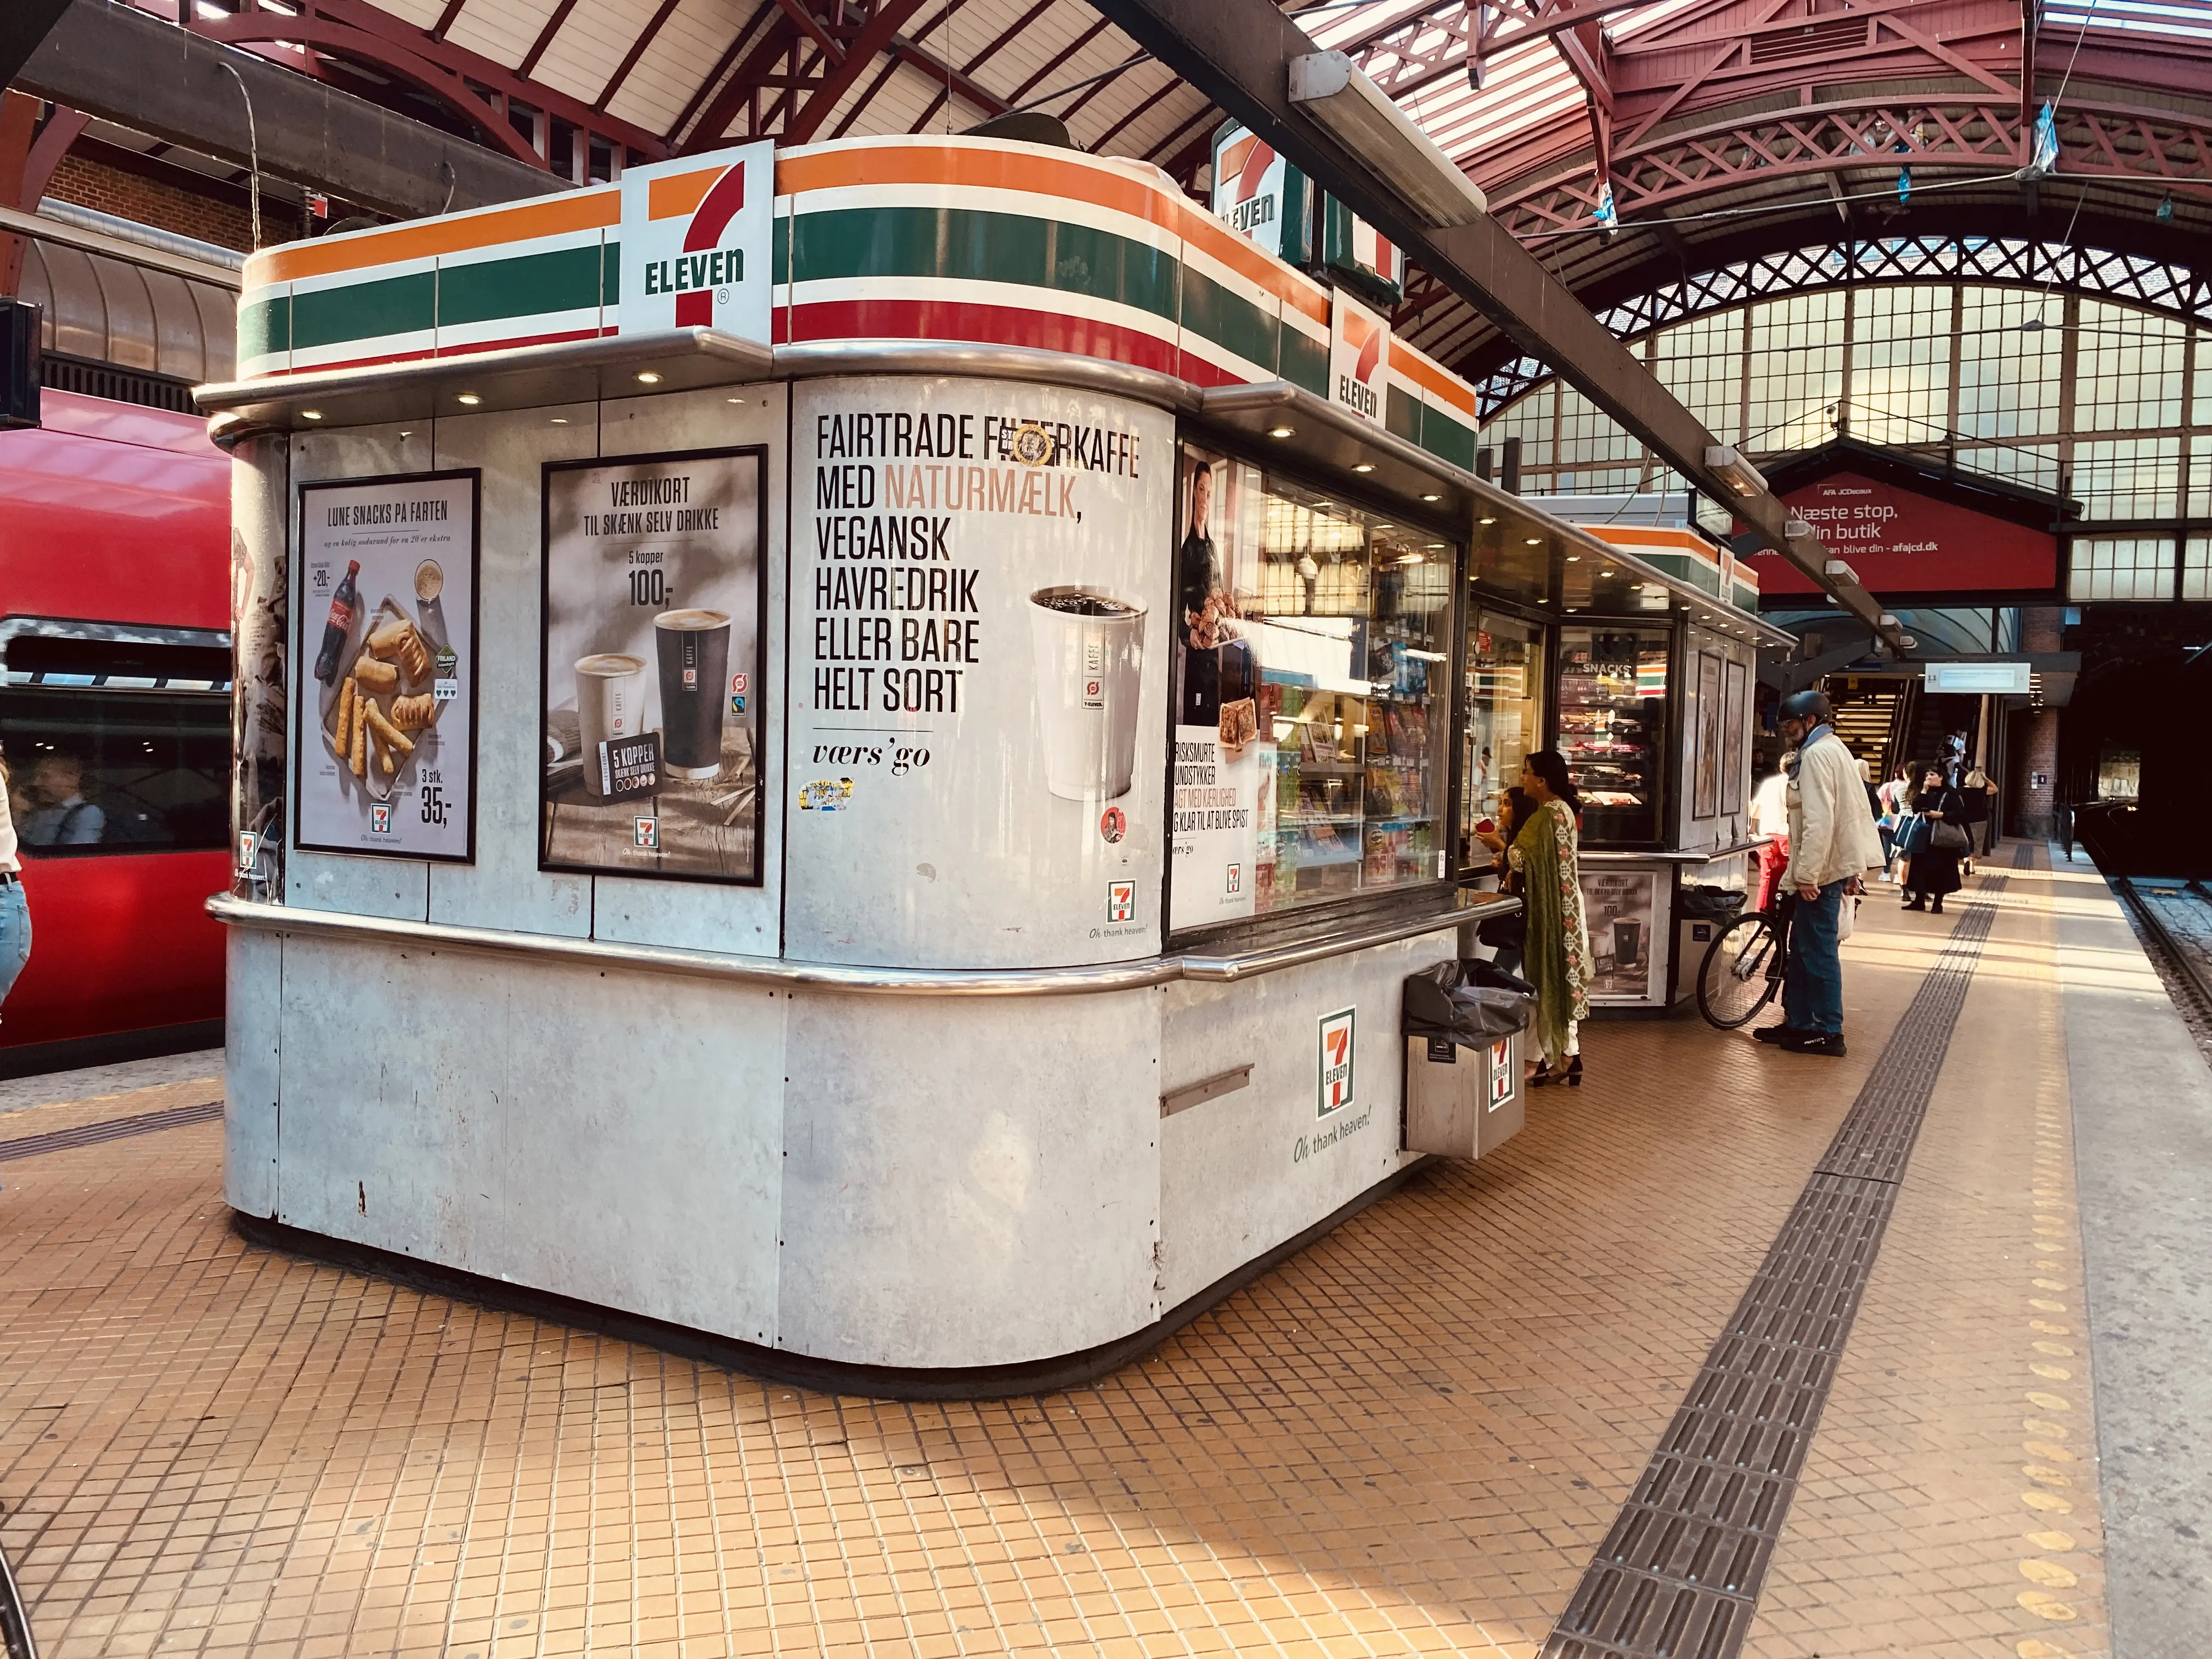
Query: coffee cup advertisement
{"x": 978, "y": 672}
{"x": 652, "y": 666}
{"x": 387, "y": 649}
{"x": 1616, "y": 909}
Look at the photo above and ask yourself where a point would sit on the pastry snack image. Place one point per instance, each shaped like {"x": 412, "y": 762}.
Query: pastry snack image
{"x": 389, "y": 569}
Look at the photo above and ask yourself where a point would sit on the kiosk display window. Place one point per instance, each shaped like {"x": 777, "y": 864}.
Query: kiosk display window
{"x": 1504, "y": 711}
{"x": 1613, "y": 729}
{"x": 1312, "y": 697}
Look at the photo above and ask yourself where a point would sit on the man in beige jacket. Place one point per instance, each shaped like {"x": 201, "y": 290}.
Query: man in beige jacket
{"x": 1832, "y": 842}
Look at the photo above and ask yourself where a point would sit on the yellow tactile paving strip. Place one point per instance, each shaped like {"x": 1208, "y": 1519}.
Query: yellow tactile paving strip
{"x": 1950, "y": 1503}
{"x": 1407, "y": 1440}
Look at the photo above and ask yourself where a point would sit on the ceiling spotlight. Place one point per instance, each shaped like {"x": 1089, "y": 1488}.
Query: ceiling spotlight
{"x": 1279, "y": 432}
{"x": 1486, "y": 521}
{"x": 647, "y": 377}
{"x": 1605, "y": 573}
{"x": 1330, "y": 87}
{"x": 734, "y": 400}
{"x": 310, "y": 414}
{"x": 1365, "y": 467}
{"x": 1732, "y": 470}
{"x": 1535, "y": 541}
{"x": 1432, "y": 498}
{"x": 470, "y": 399}
{"x": 1572, "y": 558}
{"x": 560, "y": 420}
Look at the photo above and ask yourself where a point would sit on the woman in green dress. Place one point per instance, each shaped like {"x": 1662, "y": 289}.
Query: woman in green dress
{"x": 1557, "y": 959}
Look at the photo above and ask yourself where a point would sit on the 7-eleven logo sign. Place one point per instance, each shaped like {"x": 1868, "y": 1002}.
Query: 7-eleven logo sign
{"x": 1359, "y": 357}
{"x": 695, "y": 240}
{"x": 1336, "y": 1046}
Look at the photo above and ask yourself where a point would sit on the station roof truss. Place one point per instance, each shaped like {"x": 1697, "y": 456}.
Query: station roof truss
{"x": 1727, "y": 131}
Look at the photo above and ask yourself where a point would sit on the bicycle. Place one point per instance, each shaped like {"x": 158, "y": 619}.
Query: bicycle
{"x": 1743, "y": 967}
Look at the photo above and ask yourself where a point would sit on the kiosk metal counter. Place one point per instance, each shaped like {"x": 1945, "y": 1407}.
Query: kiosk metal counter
{"x": 841, "y": 755}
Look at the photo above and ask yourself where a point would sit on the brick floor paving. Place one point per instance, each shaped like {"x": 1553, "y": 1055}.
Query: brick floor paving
{"x": 1407, "y": 1440}
{"x": 1951, "y": 1491}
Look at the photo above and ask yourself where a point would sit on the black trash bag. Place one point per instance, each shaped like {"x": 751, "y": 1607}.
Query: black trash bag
{"x": 1697, "y": 902}
{"x": 1440, "y": 1003}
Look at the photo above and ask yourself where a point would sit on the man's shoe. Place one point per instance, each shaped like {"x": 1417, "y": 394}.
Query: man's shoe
{"x": 1817, "y": 1042}
{"x": 1778, "y": 1033}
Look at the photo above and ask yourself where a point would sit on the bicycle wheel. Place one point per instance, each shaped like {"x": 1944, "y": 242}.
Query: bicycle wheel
{"x": 1741, "y": 973}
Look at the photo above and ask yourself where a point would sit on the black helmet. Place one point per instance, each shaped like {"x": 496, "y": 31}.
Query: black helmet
{"x": 1809, "y": 706}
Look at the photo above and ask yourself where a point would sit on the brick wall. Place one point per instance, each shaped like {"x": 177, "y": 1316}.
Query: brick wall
{"x": 167, "y": 206}
{"x": 2032, "y": 744}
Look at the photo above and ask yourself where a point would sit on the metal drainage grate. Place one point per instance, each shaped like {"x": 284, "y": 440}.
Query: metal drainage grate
{"x": 115, "y": 1128}
{"x": 1678, "y": 1576}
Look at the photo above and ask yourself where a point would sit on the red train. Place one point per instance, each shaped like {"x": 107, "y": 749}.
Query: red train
{"x": 115, "y": 717}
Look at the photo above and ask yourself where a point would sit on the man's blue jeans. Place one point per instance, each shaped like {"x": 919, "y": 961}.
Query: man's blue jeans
{"x": 1813, "y": 988}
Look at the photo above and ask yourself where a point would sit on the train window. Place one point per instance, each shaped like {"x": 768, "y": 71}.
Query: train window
{"x": 108, "y": 771}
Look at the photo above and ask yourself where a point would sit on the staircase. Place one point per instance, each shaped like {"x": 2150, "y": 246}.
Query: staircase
{"x": 1873, "y": 716}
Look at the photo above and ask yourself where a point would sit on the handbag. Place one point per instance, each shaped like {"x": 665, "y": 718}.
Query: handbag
{"x": 1847, "y": 918}
{"x": 1947, "y": 837}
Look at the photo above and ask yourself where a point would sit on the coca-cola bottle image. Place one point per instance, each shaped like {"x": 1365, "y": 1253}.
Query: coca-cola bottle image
{"x": 340, "y": 625}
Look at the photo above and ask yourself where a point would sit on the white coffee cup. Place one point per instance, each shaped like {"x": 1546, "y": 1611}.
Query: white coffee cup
{"x": 610, "y": 703}
{"x": 1089, "y": 658}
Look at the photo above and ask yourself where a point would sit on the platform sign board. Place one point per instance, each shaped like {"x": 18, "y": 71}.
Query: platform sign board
{"x": 1900, "y": 541}
{"x": 1989, "y": 679}
{"x": 978, "y": 672}
{"x": 386, "y": 764}
{"x": 651, "y": 666}
{"x": 696, "y": 239}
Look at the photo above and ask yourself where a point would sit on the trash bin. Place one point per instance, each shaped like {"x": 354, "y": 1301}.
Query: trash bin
{"x": 1464, "y": 1023}
{"x": 1700, "y": 913}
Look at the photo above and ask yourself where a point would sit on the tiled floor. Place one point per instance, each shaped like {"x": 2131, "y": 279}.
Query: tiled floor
{"x": 1407, "y": 1440}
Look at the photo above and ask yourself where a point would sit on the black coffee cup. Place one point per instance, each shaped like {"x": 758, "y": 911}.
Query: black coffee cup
{"x": 693, "y": 648}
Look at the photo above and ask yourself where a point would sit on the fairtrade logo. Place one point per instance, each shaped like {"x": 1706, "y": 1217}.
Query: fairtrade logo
{"x": 1033, "y": 446}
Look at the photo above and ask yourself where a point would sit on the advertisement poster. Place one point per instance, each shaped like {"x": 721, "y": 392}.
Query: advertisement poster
{"x": 387, "y": 617}
{"x": 1617, "y": 907}
{"x": 1705, "y": 795}
{"x": 1222, "y": 814}
{"x": 1900, "y": 541}
{"x": 978, "y": 677}
{"x": 1732, "y": 715}
{"x": 652, "y": 666}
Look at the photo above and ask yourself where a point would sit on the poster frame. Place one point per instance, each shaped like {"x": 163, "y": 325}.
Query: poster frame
{"x": 302, "y": 658}
{"x": 759, "y": 668}
{"x": 1705, "y": 762}
{"x": 1736, "y": 679}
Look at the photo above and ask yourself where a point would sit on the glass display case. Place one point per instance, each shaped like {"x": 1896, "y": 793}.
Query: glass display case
{"x": 1613, "y": 729}
{"x": 1334, "y": 622}
{"x": 1505, "y": 718}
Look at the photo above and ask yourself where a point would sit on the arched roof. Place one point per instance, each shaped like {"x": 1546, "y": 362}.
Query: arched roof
{"x": 1725, "y": 130}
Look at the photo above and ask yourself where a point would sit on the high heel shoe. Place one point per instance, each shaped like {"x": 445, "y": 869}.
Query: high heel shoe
{"x": 1542, "y": 1077}
{"x": 1574, "y": 1071}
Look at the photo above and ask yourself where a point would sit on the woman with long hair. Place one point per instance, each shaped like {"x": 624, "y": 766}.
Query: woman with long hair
{"x": 1546, "y": 853}
{"x": 1933, "y": 871}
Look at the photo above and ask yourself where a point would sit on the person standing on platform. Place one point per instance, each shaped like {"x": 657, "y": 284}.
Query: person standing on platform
{"x": 1770, "y": 817}
{"x": 1937, "y": 844}
{"x": 1546, "y": 853}
{"x": 1896, "y": 798}
{"x": 1832, "y": 842}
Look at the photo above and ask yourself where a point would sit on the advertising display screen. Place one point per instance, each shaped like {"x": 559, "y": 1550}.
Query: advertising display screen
{"x": 651, "y": 671}
{"x": 977, "y": 660}
{"x": 387, "y": 621}
{"x": 1900, "y": 541}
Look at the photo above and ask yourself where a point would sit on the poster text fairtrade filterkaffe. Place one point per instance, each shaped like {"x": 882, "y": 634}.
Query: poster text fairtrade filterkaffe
{"x": 896, "y": 627}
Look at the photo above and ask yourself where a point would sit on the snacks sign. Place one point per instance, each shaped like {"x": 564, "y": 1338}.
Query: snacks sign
{"x": 653, "y": 591}
{"x": 976, "y": 649}
{"x": 388, "y": 633}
